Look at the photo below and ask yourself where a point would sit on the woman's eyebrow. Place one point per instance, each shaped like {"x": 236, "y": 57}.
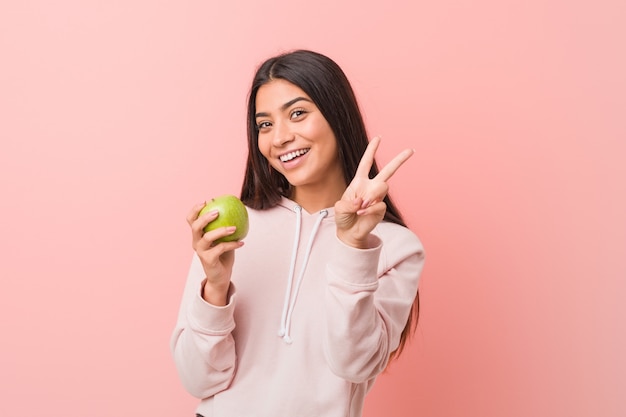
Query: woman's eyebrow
{"x": 294, "y": 101}
{"x": 285, "y": 106}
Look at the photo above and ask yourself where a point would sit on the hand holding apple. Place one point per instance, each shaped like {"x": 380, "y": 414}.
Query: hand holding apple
{"x": 216, "y": 227}
{"x": 232, "y": 212}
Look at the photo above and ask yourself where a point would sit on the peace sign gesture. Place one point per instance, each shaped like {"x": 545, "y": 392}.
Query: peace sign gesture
{"x": 361, "y": 207}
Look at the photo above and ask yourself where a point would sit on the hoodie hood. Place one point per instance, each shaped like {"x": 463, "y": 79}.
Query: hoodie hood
{"x": 291, "y": 206}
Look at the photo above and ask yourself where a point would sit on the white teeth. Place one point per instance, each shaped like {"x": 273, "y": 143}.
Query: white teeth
{"x": 292, "y": 155}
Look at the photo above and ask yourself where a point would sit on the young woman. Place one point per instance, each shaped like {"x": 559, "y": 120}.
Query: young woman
{"x": 324, "y": 290}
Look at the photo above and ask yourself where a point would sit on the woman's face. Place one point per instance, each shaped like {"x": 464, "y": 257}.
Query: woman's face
{"x": 296, "y": 139}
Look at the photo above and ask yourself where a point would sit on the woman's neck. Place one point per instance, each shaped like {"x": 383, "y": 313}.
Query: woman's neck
{"x": 313, "y": 200}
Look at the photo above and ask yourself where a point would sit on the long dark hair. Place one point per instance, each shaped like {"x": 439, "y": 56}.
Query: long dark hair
{"x": 327, "y": 85}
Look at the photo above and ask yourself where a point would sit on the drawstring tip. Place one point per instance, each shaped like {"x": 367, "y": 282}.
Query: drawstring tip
{"x": 287, "y": 339}
{"x": 281, "y": 332}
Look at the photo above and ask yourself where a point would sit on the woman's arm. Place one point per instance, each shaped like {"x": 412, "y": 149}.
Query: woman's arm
{"x": 202, "y": 342}
{"x": 368, "y": 302}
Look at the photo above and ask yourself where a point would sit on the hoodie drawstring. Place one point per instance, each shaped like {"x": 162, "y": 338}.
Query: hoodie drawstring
{"x": 292, "y": 267}
{"x": 290, "y": 301}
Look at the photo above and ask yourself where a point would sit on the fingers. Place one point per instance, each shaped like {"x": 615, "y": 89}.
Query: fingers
{"x": 360, "y": 207}
{"x": 367, "y": 160}
{"x": 376, "y": 192}
{"x": 223, "y": 247}
{"x": 377, "y": 208}
{"x": 390, "y": 169}
{"x": 199, "y": 223}
{"x": 201, "y": 240}
{"x": 212, "y": 236}
{"x": 345, "y": 206}
{"x": 193, "y": 214}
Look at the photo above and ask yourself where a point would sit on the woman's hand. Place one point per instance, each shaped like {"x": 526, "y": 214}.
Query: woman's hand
{"x": 361, "y": 207}
{"x": 217, "y": 259}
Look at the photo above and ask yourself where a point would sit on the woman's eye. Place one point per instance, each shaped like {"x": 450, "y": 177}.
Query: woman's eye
{"x": 263, "y": 125}
{"x": 297, "y": 113}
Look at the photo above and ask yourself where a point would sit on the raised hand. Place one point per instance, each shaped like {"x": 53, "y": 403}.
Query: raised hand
{"x": 217, "y": 259}
{"x": 361, "y": 207}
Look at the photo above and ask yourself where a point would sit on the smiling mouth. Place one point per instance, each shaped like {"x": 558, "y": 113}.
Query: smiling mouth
{"x": 293, "y": 155}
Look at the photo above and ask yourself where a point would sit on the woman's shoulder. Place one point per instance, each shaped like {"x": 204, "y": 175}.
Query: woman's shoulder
{"x": 276, "y": 211}
{"x": 269, "y": 218}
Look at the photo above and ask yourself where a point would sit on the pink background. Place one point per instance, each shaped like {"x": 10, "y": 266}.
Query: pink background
{"x": 117, "y": 116}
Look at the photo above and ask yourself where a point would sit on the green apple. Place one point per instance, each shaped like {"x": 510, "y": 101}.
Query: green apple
{"x": 232, "y": 212}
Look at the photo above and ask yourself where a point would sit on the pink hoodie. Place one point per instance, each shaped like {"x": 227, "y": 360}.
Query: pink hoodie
{"x": 310, "y": 322}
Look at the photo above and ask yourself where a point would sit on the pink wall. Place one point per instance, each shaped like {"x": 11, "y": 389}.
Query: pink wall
{"x": 115, "y": 117}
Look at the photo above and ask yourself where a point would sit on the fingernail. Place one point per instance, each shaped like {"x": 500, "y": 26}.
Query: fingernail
{"x": 231, "y": 229}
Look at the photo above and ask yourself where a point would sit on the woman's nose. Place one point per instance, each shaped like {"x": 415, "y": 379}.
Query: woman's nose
{"x": 282, "y": 134}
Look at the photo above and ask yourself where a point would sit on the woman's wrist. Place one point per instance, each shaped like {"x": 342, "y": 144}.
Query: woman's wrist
{"x": 357, "y": 243}
{"x": 216, "y": 295}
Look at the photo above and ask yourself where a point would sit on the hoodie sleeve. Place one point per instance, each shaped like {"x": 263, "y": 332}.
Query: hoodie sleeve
{"x": 368, "y": 300}
{"x": 202, "y": 341}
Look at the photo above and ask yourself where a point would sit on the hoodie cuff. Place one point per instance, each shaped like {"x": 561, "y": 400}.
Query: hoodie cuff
{"x": 355, "y": 267}
{"x": 211, "y": 319}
